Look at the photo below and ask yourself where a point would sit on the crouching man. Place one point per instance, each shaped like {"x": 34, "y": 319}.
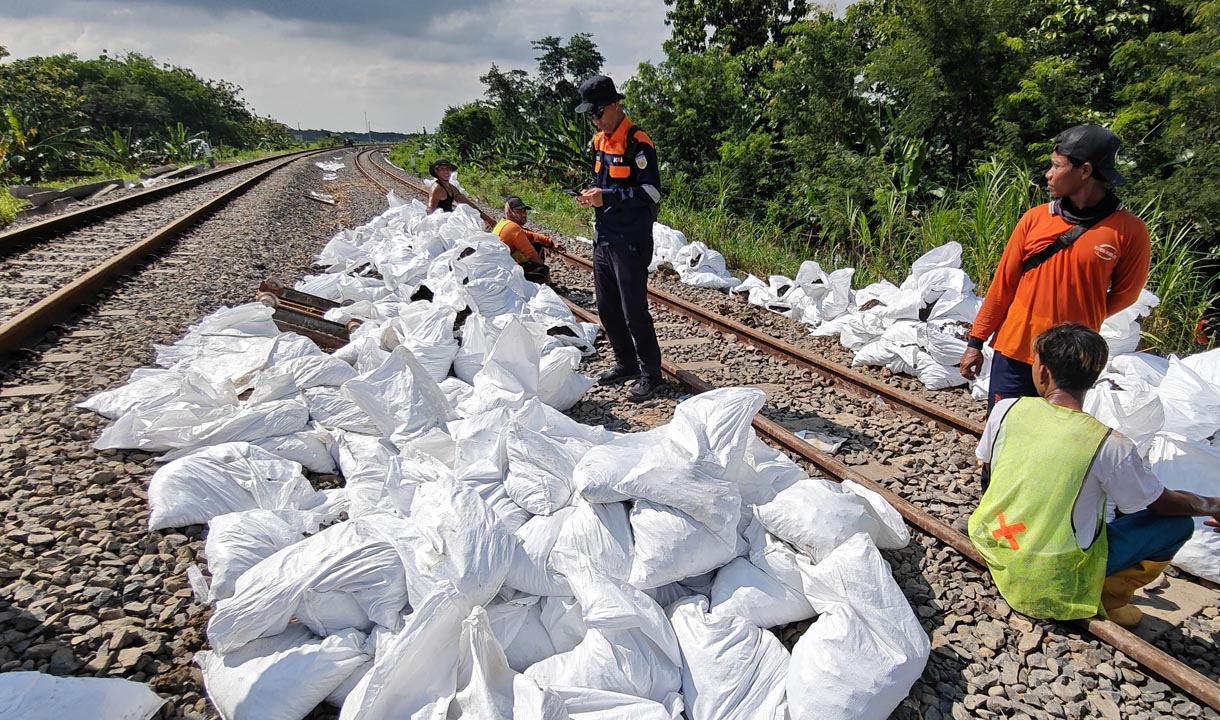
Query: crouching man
{"x": 1041, "y": 523}
{"x": 526, "y": 246}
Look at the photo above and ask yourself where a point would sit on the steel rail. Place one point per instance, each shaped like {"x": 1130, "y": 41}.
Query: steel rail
{"x": 26, "y": 234}
{"x": 1146, "y": 654}
{"x": 38, "y": 317}
{"x": 851, "y": 381}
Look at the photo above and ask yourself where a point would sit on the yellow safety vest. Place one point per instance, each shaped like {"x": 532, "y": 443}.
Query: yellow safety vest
{"x": 1023, "y": 524}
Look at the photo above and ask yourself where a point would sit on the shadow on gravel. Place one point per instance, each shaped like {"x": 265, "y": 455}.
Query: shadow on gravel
{"x": 35, "y": 640}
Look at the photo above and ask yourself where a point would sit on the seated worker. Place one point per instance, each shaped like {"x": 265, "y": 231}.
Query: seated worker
{"x": 444, "y": 195}
{"x": 525, "y": 246}
{"x": 1041, "y": 526}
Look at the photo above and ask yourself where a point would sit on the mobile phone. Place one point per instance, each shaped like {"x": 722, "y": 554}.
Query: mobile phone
{"x": 569, "y": 191}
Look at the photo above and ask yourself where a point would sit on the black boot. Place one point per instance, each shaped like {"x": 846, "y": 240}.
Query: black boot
{"x": 616, "y": 375}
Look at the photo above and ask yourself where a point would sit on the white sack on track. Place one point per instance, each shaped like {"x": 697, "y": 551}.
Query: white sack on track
{"x": 313, "y": 448}
{"x": 367, "y": 463}
{"x": 560, "y": 385}
{"x": 427, "y": 330}
{"x": 1206, "y": 365}
{"x": 178, "y": 425}
{"x": 348, "y": 575}
{"x": 481, "y": 445}
{"x": 1122, "y": 330}
{"x": 1192, "y": 404}
{"x": 147, "y": 387}
{"x": 530, "y": 571}
{"x": 666, "y": 242}
{"x": 282, "y": 677}
{"x": 415, "y": 674}
{"x": 766, "y": 588}
{"x": 452, "y": 537}
{"x": 860, "y": 658}
{"x": 518, "y": 627}
{"x": 286, "y": 379}
{"x": 816, "y": 516}
{"x": 731, "y": 670}
{"x": 328, "y": 408}
{"x": 1128, "y": 405}
{"x": 601, "y": 533}
{"x": 590, "y": 704}
{"x": 629, "y": 646}
{"x": 238, "y": 541}
{"x": 1195, "y": 467}
{"x": 935, "y": 375}
{"x": 540, "y": 462}
{"x": 509, "y": 376}
{"x": 400, "y": 396}
{"x": 700, "y": 266}
{"x": 38, "y": 696}
{"x": 223, "y": 479}
{"x": 1145, "y": 366}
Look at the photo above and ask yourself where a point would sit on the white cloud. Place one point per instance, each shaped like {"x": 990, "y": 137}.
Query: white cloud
{"x": 318, "y": 75}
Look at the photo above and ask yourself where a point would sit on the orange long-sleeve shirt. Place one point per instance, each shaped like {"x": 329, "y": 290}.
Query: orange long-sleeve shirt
{"x": 520, "y": 241}
{"x": 1098, "y": 275}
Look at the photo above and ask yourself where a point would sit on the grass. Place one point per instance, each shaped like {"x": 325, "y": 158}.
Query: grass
{"x": 9, "y": 207}
{"x": 883, "y": 244}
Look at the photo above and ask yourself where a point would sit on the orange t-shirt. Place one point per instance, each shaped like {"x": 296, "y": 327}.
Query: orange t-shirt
{"x": 520, "y": 241}
{"x": 1096, "y": 276}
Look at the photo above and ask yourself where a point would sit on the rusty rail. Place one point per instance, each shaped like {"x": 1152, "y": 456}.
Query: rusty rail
{"x": 36, "y": 318}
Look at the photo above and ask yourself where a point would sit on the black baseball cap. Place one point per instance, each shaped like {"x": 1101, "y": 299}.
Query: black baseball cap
{"x": 437, "y": 163}
{"x": 516, "y": 203}
{"x": 1095, "y": 145}
{"x": 597, "y": 91}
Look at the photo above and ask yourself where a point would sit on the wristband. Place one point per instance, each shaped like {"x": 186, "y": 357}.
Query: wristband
{"x": 974, "y": 343}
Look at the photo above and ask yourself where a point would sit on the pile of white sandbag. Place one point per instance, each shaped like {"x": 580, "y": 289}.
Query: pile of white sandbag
{"x": 488, "y": 556}
{"x": 918, "y": 328}
{"x": 1170, "y": 408}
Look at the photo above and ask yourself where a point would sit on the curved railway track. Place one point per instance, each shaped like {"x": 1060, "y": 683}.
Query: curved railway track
{"x": 73, "y": 256}
{"x": 1146, "y": 654}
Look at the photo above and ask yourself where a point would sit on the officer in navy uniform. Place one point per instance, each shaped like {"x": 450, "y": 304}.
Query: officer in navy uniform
{"x": 625, "y": 195}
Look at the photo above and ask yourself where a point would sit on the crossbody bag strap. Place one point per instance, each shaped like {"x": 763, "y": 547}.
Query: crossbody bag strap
{"x": 1062, "y": 242}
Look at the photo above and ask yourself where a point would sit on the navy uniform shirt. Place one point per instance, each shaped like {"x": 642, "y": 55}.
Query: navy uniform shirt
{"x": 631, "y": 186}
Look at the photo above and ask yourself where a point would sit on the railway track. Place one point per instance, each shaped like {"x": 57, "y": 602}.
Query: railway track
{"x": 859, "y": 385}
{"x": 51, "y": 267}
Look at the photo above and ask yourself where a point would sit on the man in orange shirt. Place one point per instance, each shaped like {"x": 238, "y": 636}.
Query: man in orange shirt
{"x": 525, "y": 245}
{"x": 1080, "y": 258}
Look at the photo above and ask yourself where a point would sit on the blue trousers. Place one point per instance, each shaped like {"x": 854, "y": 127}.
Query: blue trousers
{"x": 620, "y": 279}
{"x": 1145, "y": 536}
{"x": 1009, "y": 379}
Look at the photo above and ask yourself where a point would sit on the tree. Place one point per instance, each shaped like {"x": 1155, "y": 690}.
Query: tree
{"x": 468, "y": 127}
{"x": 509, "y": 96}
{"x": 732, "y": 25}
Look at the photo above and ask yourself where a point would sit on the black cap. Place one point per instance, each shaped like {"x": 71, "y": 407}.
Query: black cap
{"x": 437, "y": 163}
{"x": 1095, "y": 145}
{"x": 516, "y": 203}
{"x": 597, "y": 91}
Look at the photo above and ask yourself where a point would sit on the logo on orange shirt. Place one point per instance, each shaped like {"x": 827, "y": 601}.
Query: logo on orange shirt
{"x": 1106, "y": 251}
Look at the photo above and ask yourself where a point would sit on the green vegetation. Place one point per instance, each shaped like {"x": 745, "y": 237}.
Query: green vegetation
{"x": 786, "y": 133}
{"x": 64, "y": 117}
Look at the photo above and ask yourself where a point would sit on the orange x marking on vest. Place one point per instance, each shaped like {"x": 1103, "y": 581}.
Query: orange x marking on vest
{"x": 1009, "y": 532}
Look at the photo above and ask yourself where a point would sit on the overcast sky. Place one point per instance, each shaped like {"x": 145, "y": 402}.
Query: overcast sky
{"x": 324, "y": 63}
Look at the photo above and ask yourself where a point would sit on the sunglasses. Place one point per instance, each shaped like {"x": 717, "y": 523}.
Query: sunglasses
{"x": 597, "y": 113}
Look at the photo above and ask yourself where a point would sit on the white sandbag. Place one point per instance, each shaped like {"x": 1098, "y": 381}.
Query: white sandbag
{"x": 313, "y": 448}
{"x": 629, "y": 647}
{"x": 816, "y": 516}
{"x": 367, "y": 465}
{"x": 858, "y": 330}
{"x": 936, "y": 376}
{"x": 1128, "y": 405}
{"x": 1192, "y": 404}
{"x": 766, "y": 588}
{"x": 328, "y": 408}
{"x": 415, "y": 675}
{"x": 282, "y": 677}
{"x": 1145, "y": 366}
{"x": 670, "y": 545}
{"x": 1205, "y": 364}
{"x": 601, "y": 533}
{"x": 947, "y": 256}
{"x": 866, "y": 650}
{"x": 223, "y": 479}
{"x": 488, "y": 689}
{"x": 1195, "y": 467}
{"x": 591, "y": 704}
{"x": 731, "y": 670}
{"x": 399, "y": 396}
{"x": 1121, "y": 331}
{"x": 839, "y": 297}
{"x": 178, "y": 425}
{"x": 559, "y": 383}
{"x": 530, "y": 570}
{"x": 565, "y": 626}
{"x": 540, "y": 465}
{"x": 147, "y": 387}
{"x": 347, "y": 575}
{"x": 517, "y": 624}
{"x": 481, "y": 444}
{"x": 666, "y": 242}
{"x": 295, "y": 374}
{"x": 510, "y": 373}
{"x": 38, "y": 696}
{"x": 238, "y": 541}
{"x": 945, "y": 341}
{"x": 453, "y": 537}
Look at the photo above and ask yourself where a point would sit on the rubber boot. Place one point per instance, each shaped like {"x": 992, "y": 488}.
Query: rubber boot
{"x": 1120, "y": 587}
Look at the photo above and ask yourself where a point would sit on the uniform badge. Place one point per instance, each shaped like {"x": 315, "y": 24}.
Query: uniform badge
{"x": 640, "y": 161}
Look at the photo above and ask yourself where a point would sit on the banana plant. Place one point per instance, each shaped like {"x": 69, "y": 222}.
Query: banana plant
{"x": 29, "y": 155}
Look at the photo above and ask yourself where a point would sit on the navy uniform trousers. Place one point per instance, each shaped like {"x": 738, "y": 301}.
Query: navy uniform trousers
{"x": 620, "y": 279}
